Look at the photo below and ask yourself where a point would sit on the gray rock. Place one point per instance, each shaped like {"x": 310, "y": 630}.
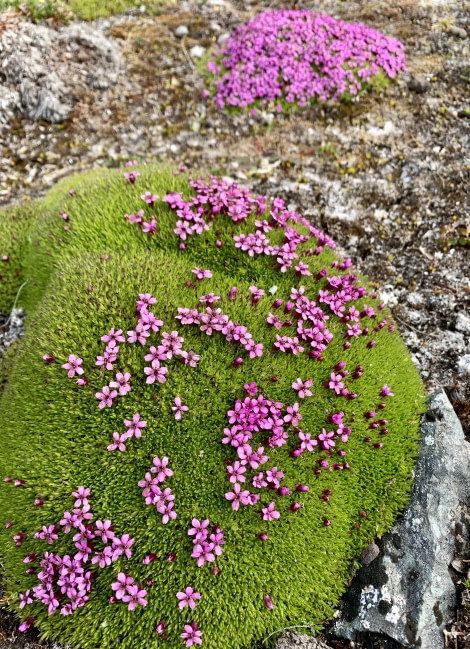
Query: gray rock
{"x": 464, "y": 364}
{"x": 457, "y": 31}
{"x": 452, "y": 341}
{"x": 418, "y": 83}
{"x": 223, "y": 37}
{"x": 45, "y": 70}
{"x": 408, "y": 594}
{"x": 290, "y": 639}
{"x": 181, "y": 31}
{"x": 462, "y": 323}
{"x": 197, "y": 51}
{"x": 11, "y": 328}
{"x": 370, "y": 553}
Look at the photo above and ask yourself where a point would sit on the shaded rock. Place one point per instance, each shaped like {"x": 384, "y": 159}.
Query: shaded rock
{"x": 457, "y": 31}
{"x": 464, "y": 364}
{"x": 291, "y": 639}
{"x": 408, "y": 594}
{"x": 418, "y": 83}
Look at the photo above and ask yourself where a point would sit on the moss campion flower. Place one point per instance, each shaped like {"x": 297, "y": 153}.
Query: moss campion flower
{"x": 73, "y": 366}
{"x": 188, "y": 598}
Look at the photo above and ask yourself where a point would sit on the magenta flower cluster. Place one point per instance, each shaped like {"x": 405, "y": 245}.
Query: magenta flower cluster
{"x": 153, "y": 494}
{"x": 299, "y": 57}
{"x": 206, "y": 547}
{"x": 66, "y": 581}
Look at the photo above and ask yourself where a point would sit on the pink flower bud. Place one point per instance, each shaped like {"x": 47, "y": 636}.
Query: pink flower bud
{"x": 263, "y": 536}
{"x": 269, "y": 602}
{"x": 340, "y": 366}
{"x": 326, "y": 522}
{"x": 232, "y": 293}
{"x": 283, "y": 491}
{"x": 171, "y": 557}
{"x": 182, "y": 246}
{"x": 160, "y": 628}
{"x": 38, "y": 502}
{"x": 289, "y": 306}
{"x": 7, "y": 479}
{"x": 295, "y": 507}
{"x": 371, "y": 344}
{"x": 237, "y": 362}
{"x": 215, "y": 571}
{"x": 378, "y": 445}
{"x": 321, "y": 274}
{"x": 351, "y": 396}
{"x": 82, "y": 381}
{"x": 302, "y": 488}
{"x": 48, "y": 358}
{"x": 8, "y": 524}
{"x": 362, "y": 514}
{"x": 277, "y": 303}
{"x": 296, "y": 452}
{"x": 149, "y": 559}
{"x": 370, "y": 414}
{"x": 218, "y": 243}
{"x": 346, "y": 345}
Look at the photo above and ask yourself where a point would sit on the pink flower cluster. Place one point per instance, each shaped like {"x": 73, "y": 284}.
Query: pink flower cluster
{"x": 68, "y": 576}
{"x": 299, "y": 57}
{"x": 163, "y": 499}
{"x": 212, "y": 320}
{"x": 206, "y": 547}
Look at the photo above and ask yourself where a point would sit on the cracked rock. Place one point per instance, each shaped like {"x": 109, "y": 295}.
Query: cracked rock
{"x": 407, "y": 593}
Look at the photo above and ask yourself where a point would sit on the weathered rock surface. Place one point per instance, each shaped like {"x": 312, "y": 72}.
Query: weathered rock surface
{"x": 407, "y": 592}
{"x": 291, "y": 639}
{"x": 33, "y": 82}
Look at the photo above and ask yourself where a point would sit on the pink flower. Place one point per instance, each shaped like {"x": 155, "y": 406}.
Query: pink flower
{"x": 302, "y": 387}
{"x": 203, "y": 552}
{"x": 199, "y": 530}
{"x": 236, "y": 471}
{"x": 134, "y": 596}
{"x": 190, "y": 358}
{"x": 188, "y": 598}
{"x": 106, "y": 397}
{"x": 155, "y": 373}
{"x": 178, "y": 408}
{"x": 161, "y": 469}
{"x": 73, "y": 366}
{"x": 270, "y": 513}
{"x": 118, "y": 443}
{"x": 191, "y": 635}
{"x": 122, "y": 584}
{"x": 237, "y": 497}
{"x": 149, "y": 198}
{"x": 104, "y": 529}
{"x": 122, "y": 383}
{"x": 116, "y": 336}
{"x": 134, "y": 426}
{"x": 122, "y": 546}
{"x": 29, "y": 623}
{"x": 293, "y": 415}
{"x": 386, "y": 391}
{"x": 269, "y": 602}
{"x": 201, "y": 274}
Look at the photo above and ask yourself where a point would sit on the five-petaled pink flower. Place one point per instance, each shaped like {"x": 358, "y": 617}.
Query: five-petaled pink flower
{"x": 201, "y": 274}
{"x": 191, "y": 635}
{"x": 386, "y": 391}
{"x": 118, "y": 443}
{"x": 73, "y": 366}
{"x": 134, "y": 426}
{"x": 302, "y": 387}
{"x": 178, "y": 408}
{"x": 270, "y": 513}
{"x": 188, "y": 598}
{"x": 106, "y": 397}
{"x": 237, "y": 496}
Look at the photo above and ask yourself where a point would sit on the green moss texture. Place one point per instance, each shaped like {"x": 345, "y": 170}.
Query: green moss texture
{"x": 84, "y": 276}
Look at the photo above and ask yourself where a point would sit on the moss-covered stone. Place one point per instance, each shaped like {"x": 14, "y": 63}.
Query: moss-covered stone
{"x": 84, "y": 276}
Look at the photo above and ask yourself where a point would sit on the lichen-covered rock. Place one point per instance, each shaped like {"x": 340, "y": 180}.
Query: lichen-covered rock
{"x": 34, "y": 82}
{"x": 407, "y": 593}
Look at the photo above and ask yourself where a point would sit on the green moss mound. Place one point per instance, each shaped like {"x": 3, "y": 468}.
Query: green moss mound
{"x": 85, "y": 279}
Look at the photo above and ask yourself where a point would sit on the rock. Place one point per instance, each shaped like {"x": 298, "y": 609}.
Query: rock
{"x": 45, "y": 70}
{"x": 452, "y": 341}
{"x": 197, "y": 51}
{"x": 290, "y": 639}
{"x": 11, "y": 328}
{"x": 370, "y": 553}
{"x": 418, "y": 83}
{"x": 464, "y": 364}
{"x": 223, "y": 37}
{"x": 457, "y": 31}
{"x": 408, "y": 595}
{"x": 181, "y": 31}
{"x": 462, "y": 323}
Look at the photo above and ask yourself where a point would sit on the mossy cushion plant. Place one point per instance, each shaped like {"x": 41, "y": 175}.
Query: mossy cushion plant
{"x": 289, "y": 58}
{"x": 209, "y": 417}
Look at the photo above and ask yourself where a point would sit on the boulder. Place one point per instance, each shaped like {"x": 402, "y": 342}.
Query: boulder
{"x": 406, "y": 592}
